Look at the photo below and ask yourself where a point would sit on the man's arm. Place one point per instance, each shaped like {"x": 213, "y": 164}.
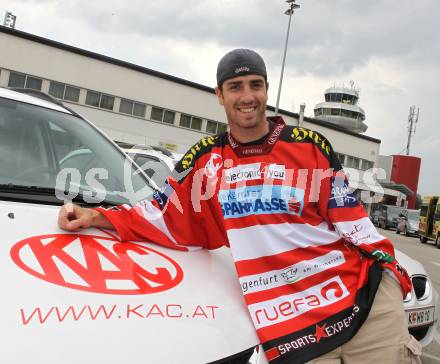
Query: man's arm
{"x": 73, "y": 217}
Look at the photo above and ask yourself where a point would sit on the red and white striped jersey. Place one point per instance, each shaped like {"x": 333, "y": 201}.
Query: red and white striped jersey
{"x": 308, "y": 258}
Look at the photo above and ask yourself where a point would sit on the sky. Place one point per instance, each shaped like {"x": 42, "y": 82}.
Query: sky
{"x": 389, "y": 48}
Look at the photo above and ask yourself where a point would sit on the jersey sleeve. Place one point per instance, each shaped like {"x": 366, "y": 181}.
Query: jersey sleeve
{"x": 340, "y": 208}
{"x": 181, "y": 215}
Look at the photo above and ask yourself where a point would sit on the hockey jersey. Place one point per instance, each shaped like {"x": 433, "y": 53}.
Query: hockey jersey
{"x": 308, "y": 258}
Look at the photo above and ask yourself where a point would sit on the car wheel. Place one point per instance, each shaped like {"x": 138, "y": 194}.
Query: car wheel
{"x": 437, "y": 242}
{"x": 422, "y": 239}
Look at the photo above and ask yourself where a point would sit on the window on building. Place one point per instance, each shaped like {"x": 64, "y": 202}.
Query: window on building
{"x": 222, "y": 128}
{"x": 188, "y": 121}
{"x": 366, "y": 164}
{"x": 163, "y": 115}
{"x": 33, "y": 83}
{"x": 56, "y": 89}
{"x": 168, "y": 117}
{"x": 92, "y": 98}
{"x": 132, "y": 108}
{"x": 102, "y": 101}
{"x": 16, "y": 79}
{"x": 211, "y": 127}
{"x": 341, "y": 158}
{"x": 196, "y": 123}
{"x": 107, "y": 102}
{"x": 348, "y": 99}
{"x": 26, "y": 81}
{"x": 71, "y": 93}
{"x": 156, "y": 113}
{"x": 126, "y": 106}
{"x": 185, "y": 120}
{"x": 352, "y": 162}
{"x": 214, "y": 127}
{"x": 63, "y": 91}
{"x": 139, "y": 109}
{"x": 334, "y": 97}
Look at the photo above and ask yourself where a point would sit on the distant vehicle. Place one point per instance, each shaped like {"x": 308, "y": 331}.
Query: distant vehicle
{"x": 156, "y": 162}
{"x": 388, "y": 216}
{"x": 374, "y": 217}
{"x": 429, "y": 225}
{"x": 408, "y": 222}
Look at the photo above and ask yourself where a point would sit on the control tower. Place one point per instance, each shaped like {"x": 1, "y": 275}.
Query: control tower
{"x": 340, "y": 108}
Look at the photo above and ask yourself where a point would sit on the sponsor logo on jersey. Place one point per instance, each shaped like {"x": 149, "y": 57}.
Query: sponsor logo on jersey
{"x": 214, "y": 163}
{"x": 322, "y": 331}
{"x": 254, "y": 171}
{"x": 304, "y": 135}
{"x": 340, "y": 194}
{"x": 292, "y": 273}
{"x": 162, "y": 196}
{"x": 360, "y": 233}
{"x": 286, "y": 307}
{"x": 96, "y": 264}
{"x": 263, "y": 199}
{"x": 188, "y": 159}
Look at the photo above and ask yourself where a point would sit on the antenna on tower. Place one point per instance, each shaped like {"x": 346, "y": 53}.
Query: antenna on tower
{"x": 413, "y": 118}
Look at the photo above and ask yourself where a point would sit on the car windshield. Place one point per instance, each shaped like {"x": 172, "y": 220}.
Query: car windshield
{"x": 49, "y": 150}
{"x": 413, "y": 216}
{"x": 393, "y": 212}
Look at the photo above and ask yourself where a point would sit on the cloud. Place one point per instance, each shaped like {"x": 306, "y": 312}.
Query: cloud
{"x": 390, "y": 48}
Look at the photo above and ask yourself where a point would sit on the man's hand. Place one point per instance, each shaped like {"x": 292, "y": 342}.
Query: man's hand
{"x": 73, "y": 217}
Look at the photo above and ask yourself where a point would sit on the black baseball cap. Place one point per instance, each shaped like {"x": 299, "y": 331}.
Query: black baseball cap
{"x": 240, "y": 62}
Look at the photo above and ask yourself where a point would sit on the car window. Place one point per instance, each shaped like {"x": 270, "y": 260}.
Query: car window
{"x": 413, "y": 215}
{"x": 44, "y": 148}
{"x": 393, "y": 212}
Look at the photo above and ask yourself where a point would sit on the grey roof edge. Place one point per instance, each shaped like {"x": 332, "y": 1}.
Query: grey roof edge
{"x": 397, "y": 187}
{"x": 135, "y": 67}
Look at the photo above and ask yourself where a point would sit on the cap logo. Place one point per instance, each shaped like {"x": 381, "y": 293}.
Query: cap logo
{"x": 242, "y": 69}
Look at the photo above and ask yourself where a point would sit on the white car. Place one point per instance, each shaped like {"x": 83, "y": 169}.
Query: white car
{"x": 422, "y": 304}
{"x": 85, "y": 297}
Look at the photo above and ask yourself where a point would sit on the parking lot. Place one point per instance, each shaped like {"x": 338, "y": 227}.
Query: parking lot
{"x": 429, "y": 256}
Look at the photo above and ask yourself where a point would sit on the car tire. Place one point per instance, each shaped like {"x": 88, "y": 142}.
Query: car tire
{"x": 437, "y": 242}
{"x": 423, "y": 239}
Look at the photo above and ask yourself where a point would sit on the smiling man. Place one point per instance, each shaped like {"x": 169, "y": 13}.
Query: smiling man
{"x": 320, "y": 283}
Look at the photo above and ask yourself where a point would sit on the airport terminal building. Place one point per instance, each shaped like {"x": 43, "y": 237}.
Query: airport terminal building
{"x": 139, "y": 105}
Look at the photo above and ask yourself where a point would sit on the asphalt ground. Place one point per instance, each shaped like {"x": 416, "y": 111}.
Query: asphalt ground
{"x": 429, "y": 256}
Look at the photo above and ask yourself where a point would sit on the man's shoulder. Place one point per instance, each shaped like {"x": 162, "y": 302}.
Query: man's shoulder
{"x": 203, "y": 147}
{"x": 299, "y": 134}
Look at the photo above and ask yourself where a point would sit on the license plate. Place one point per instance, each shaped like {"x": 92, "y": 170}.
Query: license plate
{"x": 420, "y": 317}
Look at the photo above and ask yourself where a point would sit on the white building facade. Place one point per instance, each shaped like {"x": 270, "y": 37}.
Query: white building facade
{"x": 138, "y": 105}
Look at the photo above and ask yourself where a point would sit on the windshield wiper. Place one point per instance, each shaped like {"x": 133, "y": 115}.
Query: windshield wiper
{"x": 48, "y": 195}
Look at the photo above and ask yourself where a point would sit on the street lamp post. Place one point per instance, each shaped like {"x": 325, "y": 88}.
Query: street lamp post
{"x": 288, "y": 12}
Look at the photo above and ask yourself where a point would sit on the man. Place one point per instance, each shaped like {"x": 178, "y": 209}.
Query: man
{"x": 307, "y": 256}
